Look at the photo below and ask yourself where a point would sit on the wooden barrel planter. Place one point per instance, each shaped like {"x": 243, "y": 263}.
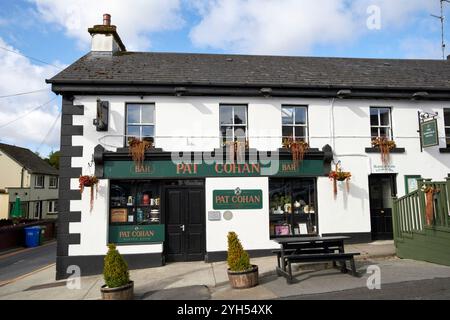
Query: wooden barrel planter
{"x": 125, "y": 292}
{"x": 244, "y": 279}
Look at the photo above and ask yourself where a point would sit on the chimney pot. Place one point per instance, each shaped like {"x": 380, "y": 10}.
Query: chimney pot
{"x": 448, "y": 57}
{"x": 106, "y": 19}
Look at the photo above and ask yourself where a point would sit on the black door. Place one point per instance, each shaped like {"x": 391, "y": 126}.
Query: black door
{"x": 381, "y": 190}
{"x": 185, "y": 223}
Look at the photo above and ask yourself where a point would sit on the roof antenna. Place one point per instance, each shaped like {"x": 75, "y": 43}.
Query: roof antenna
{"x": 442, "y": 18}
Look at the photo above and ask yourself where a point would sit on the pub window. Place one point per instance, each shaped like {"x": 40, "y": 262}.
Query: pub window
{"x": 293, "y": 210}
{"x": 39, "y": 181}
{"x": 295, "y": 122}
{"x": 140, "y": 121}
{"x": 233, "y": 122}
{"x": 447, "y": 126}
{"x": 380, "y": 122}
{"x": 133, "y": 203}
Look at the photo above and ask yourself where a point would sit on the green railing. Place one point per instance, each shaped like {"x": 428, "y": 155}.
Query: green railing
{"x": 409, "y": 211}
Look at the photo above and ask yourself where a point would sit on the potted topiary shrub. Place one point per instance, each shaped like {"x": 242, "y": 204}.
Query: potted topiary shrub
{"x": 117, "y": 279}
{"x": 241, "y": 273}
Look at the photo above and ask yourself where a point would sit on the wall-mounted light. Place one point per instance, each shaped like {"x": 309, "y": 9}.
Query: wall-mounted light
{"x": 179, "y": 91}
{"x": 341, "y": 94}
{"x": 420, "y": 95}
{"x": 267, "y": 92}
{"x": 101, "y": 122}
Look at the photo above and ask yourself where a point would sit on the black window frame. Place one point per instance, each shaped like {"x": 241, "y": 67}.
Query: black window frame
{"x": 447, "y": 127}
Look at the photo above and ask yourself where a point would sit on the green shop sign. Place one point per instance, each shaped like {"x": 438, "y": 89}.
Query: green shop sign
{"x": 237, "y": 199}
{"x": 117, "y": 169}
{"x": 429, "y": 133}
{"x": 136, "y": 234}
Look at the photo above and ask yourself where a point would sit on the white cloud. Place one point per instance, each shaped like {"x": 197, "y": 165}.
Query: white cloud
{"x": 135, "y": 19}
{"x": 293, "y": 26}
{"x": 18, "y": 74}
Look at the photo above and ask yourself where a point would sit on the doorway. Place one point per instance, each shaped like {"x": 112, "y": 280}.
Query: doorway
{"x": 184, "y": 207}
{"x": 382, "y": 187}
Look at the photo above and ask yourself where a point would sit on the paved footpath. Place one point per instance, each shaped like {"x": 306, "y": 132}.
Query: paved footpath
{"x": 201, "y": 281}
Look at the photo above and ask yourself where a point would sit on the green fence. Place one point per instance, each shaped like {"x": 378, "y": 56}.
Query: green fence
{"x": 417, "y": 238}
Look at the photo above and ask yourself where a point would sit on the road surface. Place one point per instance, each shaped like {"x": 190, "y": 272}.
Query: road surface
{"x": 16, "y": 264}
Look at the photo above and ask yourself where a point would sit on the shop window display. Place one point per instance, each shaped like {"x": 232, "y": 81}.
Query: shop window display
{"x": 292, "y": 207}
{"x": 134, "y": 202}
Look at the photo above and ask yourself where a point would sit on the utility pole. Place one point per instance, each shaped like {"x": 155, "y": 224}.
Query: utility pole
{"x": 442, "y": 18}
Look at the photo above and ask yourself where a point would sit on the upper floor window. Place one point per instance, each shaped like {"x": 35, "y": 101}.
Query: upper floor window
{"x": 447, "y": 126}
{"x": 140, "y": 121}
{"x": 53, "y": 184}
{"x": 295, "y": 122}
{"x": 39, "y": 181}
{"x": 233, "y": 122}
{"x": 380, "y": 122}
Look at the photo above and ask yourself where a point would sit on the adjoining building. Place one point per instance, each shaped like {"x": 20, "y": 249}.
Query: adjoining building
{"x": 26, "y": 176}
{"x": 164, "y": 210}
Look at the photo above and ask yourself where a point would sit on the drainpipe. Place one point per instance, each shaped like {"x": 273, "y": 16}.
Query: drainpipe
{"x": 21, "y": 177}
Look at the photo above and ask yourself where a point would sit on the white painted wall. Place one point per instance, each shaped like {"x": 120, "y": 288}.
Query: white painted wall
{"x": 196, "y": 121}
{"x": 252, "y": 226}
{"x": 103, "y": 43}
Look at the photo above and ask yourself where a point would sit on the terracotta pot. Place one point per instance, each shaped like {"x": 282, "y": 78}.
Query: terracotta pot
{"x": 125, "y": 292}
{"x": 244, "y": 279}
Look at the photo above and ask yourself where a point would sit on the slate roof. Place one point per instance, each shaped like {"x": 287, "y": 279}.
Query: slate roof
{"x": 245, "y": 70}
{"x": 31, "y": 161}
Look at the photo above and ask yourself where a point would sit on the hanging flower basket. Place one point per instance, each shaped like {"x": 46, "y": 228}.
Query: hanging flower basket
{"x": 89, "y": 181}
{"x": 385, "y": 145}
{"x": 137, "y": 151}
{"x": 339, "y": 175}
{"x": 429, "y": 208}
{"x": 298, "y": 148}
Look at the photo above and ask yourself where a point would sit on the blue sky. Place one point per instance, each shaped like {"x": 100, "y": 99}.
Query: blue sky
{"x": 56, "y": 31}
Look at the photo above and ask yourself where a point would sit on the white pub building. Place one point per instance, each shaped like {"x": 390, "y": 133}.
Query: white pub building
{"x": 291, "y": 121}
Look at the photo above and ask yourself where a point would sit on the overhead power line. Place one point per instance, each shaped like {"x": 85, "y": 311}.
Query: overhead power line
{"x": 27, "y": 113}
{"x": 31, "y": 58}
{"x": 49, "y": 131}
{"x": 22, "y": 93}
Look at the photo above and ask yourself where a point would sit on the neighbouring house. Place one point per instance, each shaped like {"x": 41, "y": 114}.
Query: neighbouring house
{"x": 25, "y": 175}
{"x": 169, "y": 208}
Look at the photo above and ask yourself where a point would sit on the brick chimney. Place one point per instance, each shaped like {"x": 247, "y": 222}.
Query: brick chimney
{"x": 105, "y": 37}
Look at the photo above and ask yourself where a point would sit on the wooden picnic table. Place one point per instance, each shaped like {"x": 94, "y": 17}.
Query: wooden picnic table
{"x": 312, "y": 249}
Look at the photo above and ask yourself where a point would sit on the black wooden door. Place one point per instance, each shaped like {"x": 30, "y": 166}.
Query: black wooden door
{"x": 185, "y": 224}
{"x": 381, "y": 190}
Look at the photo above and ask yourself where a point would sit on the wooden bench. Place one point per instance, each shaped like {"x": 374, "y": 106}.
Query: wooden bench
{"x": 340, "y": 257}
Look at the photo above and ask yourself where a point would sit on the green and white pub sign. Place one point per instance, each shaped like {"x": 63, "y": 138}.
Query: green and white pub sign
{"x": 429, "y": 133}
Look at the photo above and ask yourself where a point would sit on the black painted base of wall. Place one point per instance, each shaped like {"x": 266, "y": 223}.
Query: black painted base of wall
{"x": 363, "y": 237}
{"x": 93, "y": 265}
{"x": 217, "y": 256}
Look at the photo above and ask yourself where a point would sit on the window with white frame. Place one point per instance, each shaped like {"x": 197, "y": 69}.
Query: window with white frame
{"x": 233, "y": 122}
{"x": 39, "y": 181}
{"x": 140, "y": 121}
{"x": 295, "y": 122}
{"x": 380, "y": 122}
{"x": 52, "y": 206}
{"x": 447, "y": 126}
{"x": 53, "y": 184}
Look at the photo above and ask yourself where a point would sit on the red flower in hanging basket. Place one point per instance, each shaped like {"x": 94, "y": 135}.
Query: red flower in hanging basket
{"x": 89, "y": 181}
{"x": 339, "y": 175}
